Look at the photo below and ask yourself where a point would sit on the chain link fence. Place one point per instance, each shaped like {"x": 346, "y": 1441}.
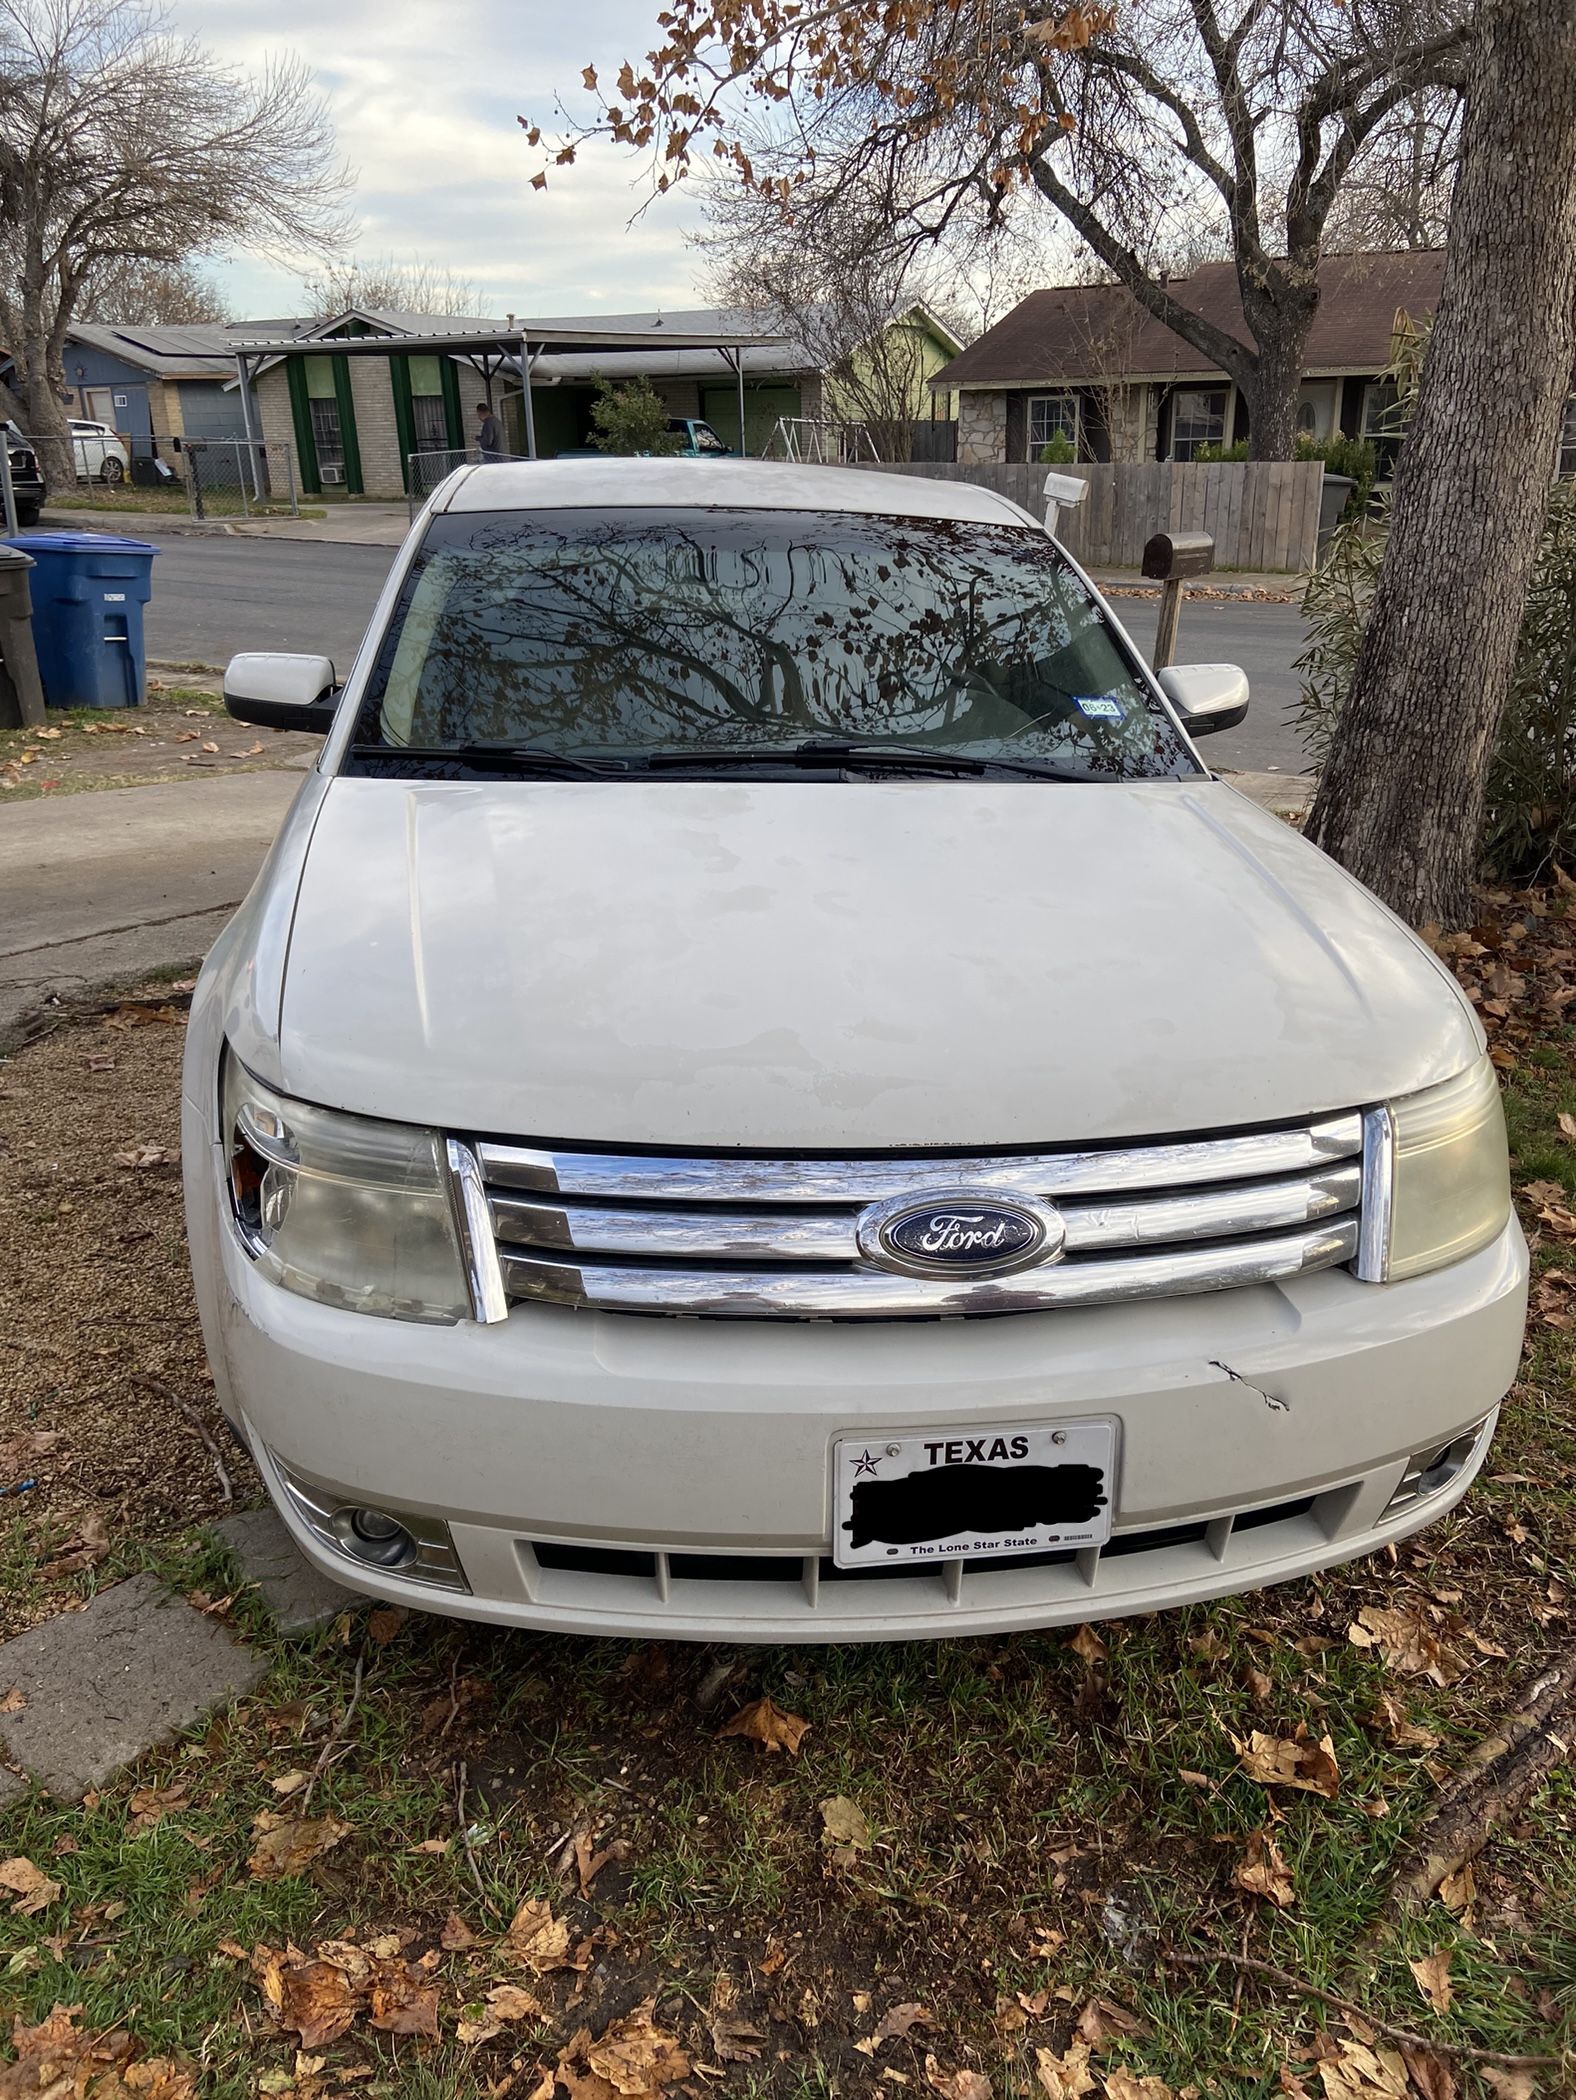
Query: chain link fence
{"x": 112, "y": 471}
{"x": 425, "y": 470}
{"x": 239, "y": 478}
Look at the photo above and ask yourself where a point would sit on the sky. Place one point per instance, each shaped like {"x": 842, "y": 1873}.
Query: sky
{"x": 424, "y": 100}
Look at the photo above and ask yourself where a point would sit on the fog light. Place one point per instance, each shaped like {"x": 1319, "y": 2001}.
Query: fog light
{"x": 374, "y": 1536}
{"x": 1428, "y": 1472}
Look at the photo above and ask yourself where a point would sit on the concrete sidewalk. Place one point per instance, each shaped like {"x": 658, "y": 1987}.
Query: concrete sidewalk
{"x": 101, "y": 887}
{"x": 350, "y": 525}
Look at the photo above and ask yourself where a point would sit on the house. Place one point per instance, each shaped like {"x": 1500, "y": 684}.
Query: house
{"x": 351, "y": 424}
{"x": 1088, "y": 364}
{"x": 157, "y": 385}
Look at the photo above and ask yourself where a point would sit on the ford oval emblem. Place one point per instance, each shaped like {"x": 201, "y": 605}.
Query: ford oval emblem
{"x": 962, "y": 1233}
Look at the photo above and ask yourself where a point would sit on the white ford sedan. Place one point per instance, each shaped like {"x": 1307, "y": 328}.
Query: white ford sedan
{"x": 764, "y": 1091}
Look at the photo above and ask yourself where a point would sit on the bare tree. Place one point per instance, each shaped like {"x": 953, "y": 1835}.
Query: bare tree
{"x": 384, "y": 284}
{"x": 121, "y": 142}
{"x": 170, "y": 295}
{"x": 1131, "y": 121}
{"x": 850, "y": 304}
{"x": 1399, "y": 194}
{"x": 1402, "y": 797}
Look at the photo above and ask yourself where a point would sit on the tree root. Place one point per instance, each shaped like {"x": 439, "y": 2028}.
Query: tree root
{"x": 1498, "y": 1778}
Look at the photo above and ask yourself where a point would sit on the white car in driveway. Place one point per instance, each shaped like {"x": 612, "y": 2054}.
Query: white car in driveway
{"x": 101, "y": 452}
{"x": 764, "y": 1091}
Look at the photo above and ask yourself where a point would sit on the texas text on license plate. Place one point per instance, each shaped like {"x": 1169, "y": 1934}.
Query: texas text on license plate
{"x": 1023, "y": 1488}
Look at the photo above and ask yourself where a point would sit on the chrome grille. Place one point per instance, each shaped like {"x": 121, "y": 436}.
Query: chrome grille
{"x": 728, "y": 1236}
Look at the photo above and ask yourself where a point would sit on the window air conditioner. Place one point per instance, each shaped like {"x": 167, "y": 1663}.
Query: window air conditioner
{"x": 330, "y": 475}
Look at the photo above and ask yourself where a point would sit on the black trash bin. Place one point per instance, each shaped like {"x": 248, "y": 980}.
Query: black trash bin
{"x": 21, "y": 694}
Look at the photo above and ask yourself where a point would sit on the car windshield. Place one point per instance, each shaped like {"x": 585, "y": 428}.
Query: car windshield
{"x": 712, "y": 638}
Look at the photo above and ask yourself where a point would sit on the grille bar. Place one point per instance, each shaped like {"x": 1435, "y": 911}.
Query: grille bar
{"x": 683, "y": 1234}
{"x": 724, "y": 1178}
{"x": 866, "y": 1292}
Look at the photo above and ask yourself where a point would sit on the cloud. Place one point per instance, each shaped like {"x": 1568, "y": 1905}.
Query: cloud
{"x": 425, "y": 103}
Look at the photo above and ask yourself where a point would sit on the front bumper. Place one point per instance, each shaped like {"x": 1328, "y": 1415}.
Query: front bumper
{"x": 599, "y": 1473}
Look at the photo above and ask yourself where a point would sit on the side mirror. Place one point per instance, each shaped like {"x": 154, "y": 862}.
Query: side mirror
{"x": 282, "y": 692}
{"x": 1207, "y": 696}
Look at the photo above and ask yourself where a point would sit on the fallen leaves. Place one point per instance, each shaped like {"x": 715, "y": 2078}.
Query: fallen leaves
{"x": 320, "y": 1996}
{"x": 536, "y": 1940}
{"x": 289, "y": 1844}
{"x": 846, "y": 1833}
{"x": 504, "y": 2005}
{"x": 1390, "y": 1719}
{"x": 142, "y": 1157}
{"x": 765, "y": 1723}
{"x": 1356, "y": 2072}
{"x": 1407, "y": 1642}
{"x": 1294, "y": 1761}
{"x": 956, "y": 2085}
{"x": 30, "y": 1885}
{"x": 1433, "y": 1978}
{"x": 1066, "y": 2077}
{"x": 87, "y": 1546}
{"x": 1262, "y": 1871}
{"x": 633, "y": 2058}
{"x": 901, "y": 2021}
{"x": 54, "y": 2061}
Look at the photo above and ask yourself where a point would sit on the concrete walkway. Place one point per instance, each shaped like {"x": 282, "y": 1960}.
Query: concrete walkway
{"x": 101, "y": 887}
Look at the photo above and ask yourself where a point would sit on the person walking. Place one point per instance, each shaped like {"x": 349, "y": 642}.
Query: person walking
{"x": 489, "y": 433}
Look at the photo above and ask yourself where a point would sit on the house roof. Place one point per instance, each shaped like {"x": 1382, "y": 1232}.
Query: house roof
{"x": 200, "y": 351}
{"x": 790, "y": 356}
{"x": 1099, "y": 332}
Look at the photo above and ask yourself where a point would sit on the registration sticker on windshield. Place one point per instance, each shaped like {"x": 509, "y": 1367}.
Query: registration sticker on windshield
{"x": 1100, "y": 705}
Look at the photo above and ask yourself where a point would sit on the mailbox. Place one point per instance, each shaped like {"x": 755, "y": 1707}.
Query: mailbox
{"x": 1168, "y": 556}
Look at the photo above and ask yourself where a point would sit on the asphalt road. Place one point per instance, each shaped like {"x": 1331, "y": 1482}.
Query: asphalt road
{"x": 212, "y": 597}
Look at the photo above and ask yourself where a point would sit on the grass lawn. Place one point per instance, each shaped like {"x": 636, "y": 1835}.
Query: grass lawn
{"x": 993, "y": 1869}
{"x": 181, "y": 729}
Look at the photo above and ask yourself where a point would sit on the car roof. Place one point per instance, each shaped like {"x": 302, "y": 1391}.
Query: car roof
{"x": 715, "y": 484}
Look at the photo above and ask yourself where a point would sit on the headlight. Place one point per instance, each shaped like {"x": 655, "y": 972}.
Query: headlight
{"x": 1447, "y": 1176}
{"x": 343, "y": 1209}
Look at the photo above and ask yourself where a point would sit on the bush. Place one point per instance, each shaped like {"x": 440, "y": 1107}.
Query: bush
{"x": 1212, "y": 455}
{"x": 1344, "y": 455}
{"x": 1059, "y": 451}
{"x": 631, "y": 418}
{"x": 1530, "y": 816}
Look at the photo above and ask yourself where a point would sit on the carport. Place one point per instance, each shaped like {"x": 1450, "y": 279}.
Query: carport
{"x": 492, "y": 354}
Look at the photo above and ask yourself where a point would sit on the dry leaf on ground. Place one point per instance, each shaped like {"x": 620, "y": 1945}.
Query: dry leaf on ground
{"x": 30, "y": 1885}
{"x": 846, "y": 1834}
{"x": 404, "y": 1999}
{"x": 1088, "y": 1644}
{"x": 456, "y": 1935}
{"x": 734, "y": 2040}
{"x": 1431, "y": 2074}
{"x": 633, "y": 2058}
{"x": 1389, "y": 1717}
{"x": 1357, "y": 2072}
{"x": 56, "y": 2062}
{"x": 85, "y": 1549}
{"x": 764, "y": 1723}
{"x": 505, "y": 2004}
{"x": 316, "y": 1999}
{"x": 1509, "y": 2085}
{"x": 535, "y": 1938}
{"x": 902, "y": 2020}
{"x": 1407, "y": 1642}
{"x": 1102, "y": 2017}
{"x": 1064, "y": 2077}
{"x": 288, "y": 1844}
{"x": 384, "y": 1623}
{"x": 1296, "y": 1761}
{"x": 1121, "y": 2084}
{"x": 1262, "y": 1871}
{"x": 956, "y": 2085}
{"x": 1433, "y": 1978}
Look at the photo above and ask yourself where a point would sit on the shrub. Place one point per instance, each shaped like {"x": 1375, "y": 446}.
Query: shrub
{"x": 1530, "y": 815}
{"x": 1211, "y": 455}
{"x": 630, "y": 418}
{"x": 1058, "y": 451}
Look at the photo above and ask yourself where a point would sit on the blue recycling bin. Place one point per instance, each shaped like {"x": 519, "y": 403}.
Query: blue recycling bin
{"x": 89, "y": 589}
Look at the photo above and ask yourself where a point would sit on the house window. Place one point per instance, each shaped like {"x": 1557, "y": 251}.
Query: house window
{"x": 1381, "y": 422}
{"x": 429, "y": 418}
{"x": 1053, "y": 416}
{"x": 327, "y": 433}
{"x": 1568, "y": 438}
{"x": 1198, "y": 417}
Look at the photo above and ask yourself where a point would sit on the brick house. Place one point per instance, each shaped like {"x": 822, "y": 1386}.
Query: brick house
{"x": 1089, "y": 364}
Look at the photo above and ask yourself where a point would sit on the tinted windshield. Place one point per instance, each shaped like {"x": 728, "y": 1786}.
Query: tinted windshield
{"x": 628, "y": 635}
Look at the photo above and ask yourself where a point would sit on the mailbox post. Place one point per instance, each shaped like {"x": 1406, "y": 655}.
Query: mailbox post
{"x": 1170, "y": 558}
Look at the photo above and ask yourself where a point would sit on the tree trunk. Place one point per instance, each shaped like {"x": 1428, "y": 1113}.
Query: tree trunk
{"x": 1401, "y": 802}
{"x": 1280, "y": 328}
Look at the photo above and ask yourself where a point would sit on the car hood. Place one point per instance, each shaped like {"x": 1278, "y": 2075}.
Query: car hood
{"x": 843, "y": 964}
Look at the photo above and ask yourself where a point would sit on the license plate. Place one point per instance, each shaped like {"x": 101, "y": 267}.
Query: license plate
{"x": 1025, "y": 1488}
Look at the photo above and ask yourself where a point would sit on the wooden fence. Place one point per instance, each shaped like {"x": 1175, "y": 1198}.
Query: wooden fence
{"x": 1263, "y": 514}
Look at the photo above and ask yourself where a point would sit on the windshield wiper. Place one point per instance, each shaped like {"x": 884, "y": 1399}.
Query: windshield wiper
{"x": 852, "y": 751}
{"x": 532, "y": 758}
